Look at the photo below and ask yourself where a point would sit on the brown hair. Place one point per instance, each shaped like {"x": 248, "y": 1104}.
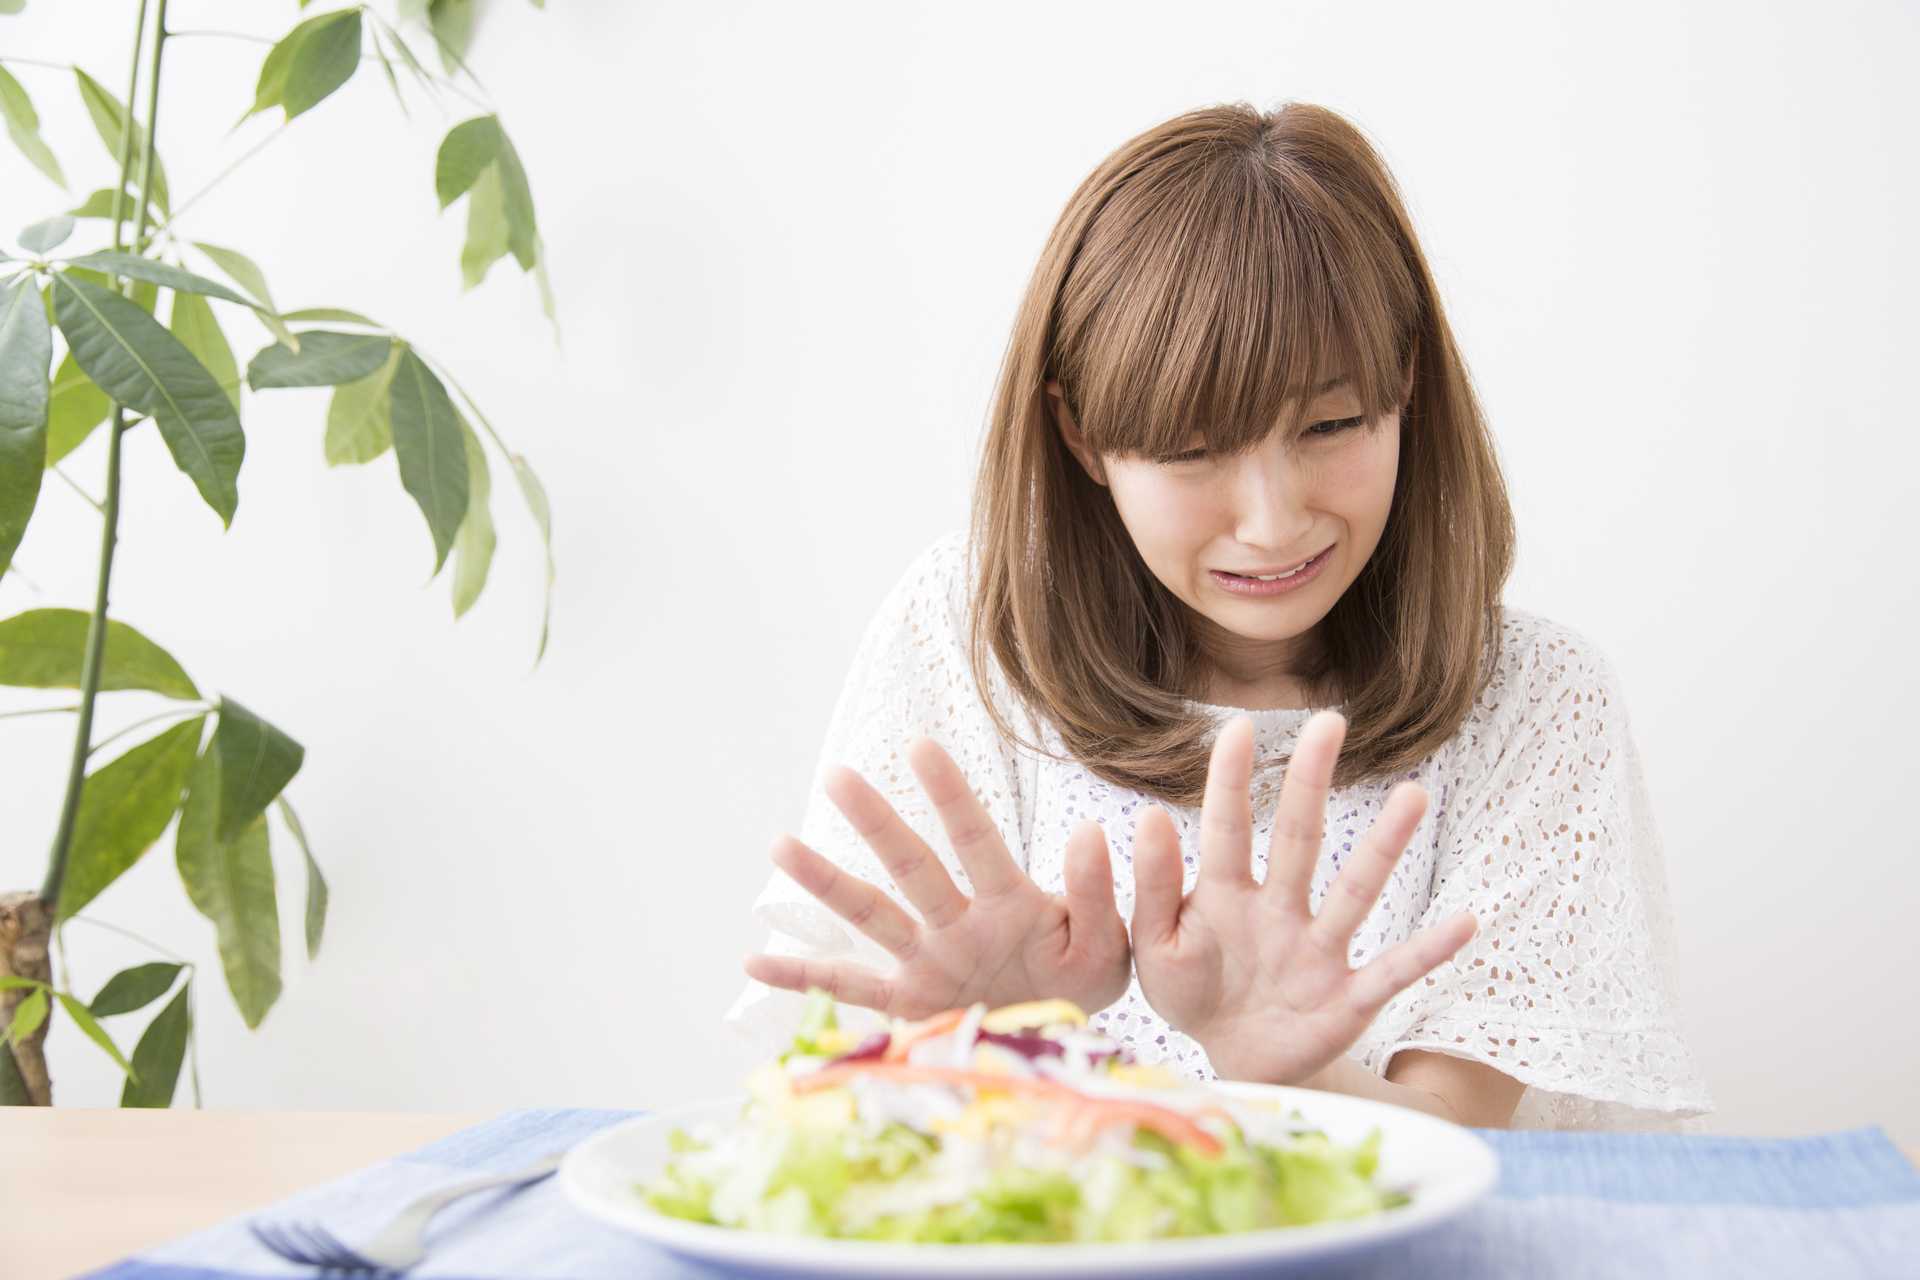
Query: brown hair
{"x": 1208, "y": 275}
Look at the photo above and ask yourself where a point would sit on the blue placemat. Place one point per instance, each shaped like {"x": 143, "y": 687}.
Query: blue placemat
{"x": 1568, "y": 1205}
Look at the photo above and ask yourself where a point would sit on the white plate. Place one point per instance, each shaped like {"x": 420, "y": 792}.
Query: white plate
{"x": 1446, "y": 1167}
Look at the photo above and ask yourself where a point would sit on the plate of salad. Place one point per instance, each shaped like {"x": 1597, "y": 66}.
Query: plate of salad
{"x": 1013, "y": 1142}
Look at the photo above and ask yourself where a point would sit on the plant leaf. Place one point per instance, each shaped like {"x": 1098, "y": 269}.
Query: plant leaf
{"x": 47, "y": 234}
{"x": 331, "y": 315}
{"x": 433, "y": 461}
{"x": 199, "y": 332}
{"x": 256, "y": 763}
{"x": 536, "y": 495}
{"x": 135, "y": 267}
{"x": 26, "y": 351}
{"x": 521, "y": 231}
{"x": 134, "y": 988}
{"x": 100, "y": 205}
{"x": 130, "y": 357}
{"x": 110, "y": 120}
{"x": 28, "y": 1015}
{"x": 466, "y": 152}
{"x": 76, "y": 408}
{"x": 231, "y": 883}
{"x": 270, "y": 89}
{"x": 124, "y": 806}
{"x": 242, "y": 271}
{"x": 158, "y": 1055}
{"x": 452, "y": 24}
{"x": 83, "y": 1019}
{"x": 316, "y": 883}
{"x": 12, "y": 982}
{"x": 325, "y": 359}
{"x": 23, "y": 126}
{"x": 324, "y": 59}
{"x": 488, "y": 237}
{"x": 386, "y": 65}
{"x": 359, "y": 417}
{"x": 44, "y": 648}
{"x": 473, "y": 545}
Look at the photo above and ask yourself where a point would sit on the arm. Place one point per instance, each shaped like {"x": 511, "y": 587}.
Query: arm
{"x": 1456, "y": 1089}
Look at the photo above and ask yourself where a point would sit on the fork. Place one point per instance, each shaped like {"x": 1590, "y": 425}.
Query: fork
{"x": 396, "y": 1247}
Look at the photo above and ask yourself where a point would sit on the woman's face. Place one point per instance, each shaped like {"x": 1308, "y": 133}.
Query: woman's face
{"x": 1205, "y": 523}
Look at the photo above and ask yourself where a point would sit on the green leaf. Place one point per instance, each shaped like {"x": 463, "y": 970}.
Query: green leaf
{"x": 271, "y": 88}
{"x": 488, "y": 237}
{"x": 134, "y": 988}
{"x": 43, "y": 649}
{"x": 521, "y": 231}
{"x": 473, "y": 545}
{"x": 325, "y": 58}
{"x": 199, "y": 332}
{"x": 359, "y": 417}
{"x": 242, "y": 271}
{"x": 452, "y": 25}
{"x": 256, "y": 763}
{"x": 26, "y": 351}
{"x": 536, "y": 495}
{"x": 111, "y": 121}
{"x": 331, "y": 315}
{"x": 124, "y": 806}
{"x": 100, "y": 205}
{"x": 325, "y": 359}
{"x": 467, "y": 151}
{"x": 11, "y": 982}
{"x": 130, "y": 357}
{"x": 316, "y": 883}
{"x": 135, "y": 267}
{"x": 545, "y": 284}
{"x": 386, "y": 65}
{"x": 23, "y": 126}
{"x": 46, "y": 235}
{"x": 231, "y": 883}
{"x": 433, "y": 458}
{"x": 94, "y": 1031}
{"x": 27, "y": 1016}
{"x": 159, "y": 1053}
{"x": 77, "y": 407}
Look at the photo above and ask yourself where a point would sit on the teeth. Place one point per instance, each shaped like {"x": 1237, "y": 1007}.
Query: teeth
{"x": 1274, "y": 577}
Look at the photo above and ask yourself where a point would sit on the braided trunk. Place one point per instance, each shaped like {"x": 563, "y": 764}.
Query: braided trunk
{"x": 26, "y": 931}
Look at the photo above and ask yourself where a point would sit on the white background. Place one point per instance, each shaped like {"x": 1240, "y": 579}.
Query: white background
{"x": 788, "y": 240}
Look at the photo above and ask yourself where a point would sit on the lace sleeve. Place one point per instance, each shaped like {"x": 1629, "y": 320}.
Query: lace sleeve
{"x": 1548, "y": 837}
{"x": 909, "y": 676}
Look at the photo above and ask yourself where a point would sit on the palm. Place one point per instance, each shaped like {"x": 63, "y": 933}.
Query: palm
{"x": 1011, "y": 942}
{"x": 1245, "y": 966}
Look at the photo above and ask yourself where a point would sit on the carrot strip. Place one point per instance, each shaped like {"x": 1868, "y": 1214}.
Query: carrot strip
{"x": 913, "y": 1033}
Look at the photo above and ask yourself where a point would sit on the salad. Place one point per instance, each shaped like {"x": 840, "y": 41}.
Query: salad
{"x": 1019, "y": 1124}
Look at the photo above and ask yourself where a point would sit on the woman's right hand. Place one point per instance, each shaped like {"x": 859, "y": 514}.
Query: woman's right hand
{"x": 1009, "y": 943}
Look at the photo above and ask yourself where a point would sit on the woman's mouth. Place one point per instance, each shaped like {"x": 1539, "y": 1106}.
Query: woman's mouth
{"x": 1275, "y": 583}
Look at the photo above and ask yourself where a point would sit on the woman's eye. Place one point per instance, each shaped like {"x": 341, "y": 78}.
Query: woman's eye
{"x": 1335, "y": 426}
{"x": 1191, "y": 455}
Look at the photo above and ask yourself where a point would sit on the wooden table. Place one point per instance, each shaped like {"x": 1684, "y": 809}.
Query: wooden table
{"x": 82, "y": 1189}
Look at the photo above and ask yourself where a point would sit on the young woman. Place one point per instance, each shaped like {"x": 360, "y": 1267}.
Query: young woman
{"x": 1239, "y": 522}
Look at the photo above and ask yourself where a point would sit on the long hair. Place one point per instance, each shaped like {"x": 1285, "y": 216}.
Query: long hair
{"x": 1207, "y": 276}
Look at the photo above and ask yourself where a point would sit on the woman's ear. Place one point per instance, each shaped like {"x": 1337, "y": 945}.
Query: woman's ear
{"x": 1070, "y": 433}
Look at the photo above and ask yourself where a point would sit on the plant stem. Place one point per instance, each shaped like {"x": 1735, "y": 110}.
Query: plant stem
{"x": 128, "y": 933}
{"x": 92, "y": 501}
{"x": 218, "y": 178}
{"x": 196, "y": 709}
{"x": 37, "y": 62}
{"x": 97, "y": 623}
{"x": 37, "y": 711}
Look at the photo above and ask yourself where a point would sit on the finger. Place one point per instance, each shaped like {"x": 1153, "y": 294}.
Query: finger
{"x": 1157, "y": 878}
{"x": 860, "y": 904}
{"x": 976, "y": 840}
{"x": 1399, "y": 967}
{"x": 1089, "y": 871}
{"x": 847, "y": 983}
{"x": 1351, "y": 896}
{"x": 1226, "y": 810}
{"x": 908, "y": 859}
{"x": 1300, "y": 819}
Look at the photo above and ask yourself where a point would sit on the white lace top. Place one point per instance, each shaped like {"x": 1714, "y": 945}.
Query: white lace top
{"x": 1538, "y": 821}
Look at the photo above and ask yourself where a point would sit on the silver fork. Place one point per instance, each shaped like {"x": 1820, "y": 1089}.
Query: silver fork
{"x": 396, "y": 1247}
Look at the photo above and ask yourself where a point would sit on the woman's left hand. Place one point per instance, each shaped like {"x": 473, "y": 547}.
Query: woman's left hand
{"x": 1244, "y": 966}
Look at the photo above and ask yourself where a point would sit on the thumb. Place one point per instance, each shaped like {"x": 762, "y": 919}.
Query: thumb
{"x": 1157, "y": 878}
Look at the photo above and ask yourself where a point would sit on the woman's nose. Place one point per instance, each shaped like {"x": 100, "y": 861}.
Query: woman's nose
{"x": 1269, "y": 511}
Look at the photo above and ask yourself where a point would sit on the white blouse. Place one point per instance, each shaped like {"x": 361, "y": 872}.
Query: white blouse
{"x": 1538, "y": 821}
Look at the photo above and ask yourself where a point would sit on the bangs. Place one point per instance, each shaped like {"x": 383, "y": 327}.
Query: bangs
{"x": 1224, "y": 302}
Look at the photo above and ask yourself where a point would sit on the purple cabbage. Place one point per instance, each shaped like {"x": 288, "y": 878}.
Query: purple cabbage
{"x": 872, "y": 1047}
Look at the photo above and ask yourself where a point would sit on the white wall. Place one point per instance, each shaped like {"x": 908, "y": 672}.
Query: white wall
{"x": 788, "y": 241}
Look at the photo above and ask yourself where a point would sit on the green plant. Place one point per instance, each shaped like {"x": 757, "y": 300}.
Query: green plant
{"x": 217, "y": 767}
